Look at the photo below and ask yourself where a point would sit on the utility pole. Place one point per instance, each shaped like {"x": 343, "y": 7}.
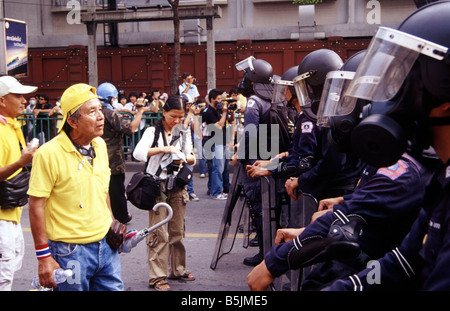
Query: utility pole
{"x": 2, "y": 41}
{"x": 210, "y": 49}
{"x": 92, "y": 46}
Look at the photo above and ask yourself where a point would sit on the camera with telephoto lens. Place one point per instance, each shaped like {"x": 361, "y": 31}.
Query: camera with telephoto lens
{"x": 200, "y": 105}
{"x": 231, "y": 103}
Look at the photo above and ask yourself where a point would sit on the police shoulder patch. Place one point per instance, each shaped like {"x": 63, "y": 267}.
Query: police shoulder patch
{"x": 394, "y": 171}
{"x": 251, "y": 103}
{"x": 307, "y": 127}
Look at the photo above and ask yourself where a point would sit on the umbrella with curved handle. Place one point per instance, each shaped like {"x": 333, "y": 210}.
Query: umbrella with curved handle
{"x": 133, "y": 237}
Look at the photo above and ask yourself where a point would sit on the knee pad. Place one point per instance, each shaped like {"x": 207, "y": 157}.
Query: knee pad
{"x": 341, "y": 242}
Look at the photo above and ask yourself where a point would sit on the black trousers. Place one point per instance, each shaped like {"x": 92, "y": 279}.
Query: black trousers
{"x": 117, "y": 197}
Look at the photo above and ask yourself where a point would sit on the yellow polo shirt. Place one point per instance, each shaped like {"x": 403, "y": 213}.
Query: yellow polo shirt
{"x": 76, "y": 210}
{"x": 10, "y": 152}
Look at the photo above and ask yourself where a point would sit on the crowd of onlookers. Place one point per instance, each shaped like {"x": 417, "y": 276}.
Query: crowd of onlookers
{"x": 45, "y": 119}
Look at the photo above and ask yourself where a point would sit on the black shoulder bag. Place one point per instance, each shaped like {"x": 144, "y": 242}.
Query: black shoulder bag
{"x": 13, "y": 192}
{"x": 143, "y": 189}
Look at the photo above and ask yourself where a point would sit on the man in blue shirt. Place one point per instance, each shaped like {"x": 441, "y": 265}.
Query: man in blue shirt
{"x": 188, "y": 86}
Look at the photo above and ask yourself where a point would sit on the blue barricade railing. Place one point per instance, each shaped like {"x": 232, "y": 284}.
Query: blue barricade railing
{"x": 46, "y": 127}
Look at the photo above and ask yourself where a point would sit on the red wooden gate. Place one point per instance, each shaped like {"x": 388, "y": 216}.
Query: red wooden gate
{"x": 144, "y": 68}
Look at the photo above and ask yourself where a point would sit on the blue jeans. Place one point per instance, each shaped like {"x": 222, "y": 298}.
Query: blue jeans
{"x": 95, "y": 266}
{"x": 198, "y": 144}
{"x": 190, "y": 185}
{"x": 218, "y": 165}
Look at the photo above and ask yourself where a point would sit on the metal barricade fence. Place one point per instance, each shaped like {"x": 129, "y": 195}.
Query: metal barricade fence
{"x": 45, "y": 128}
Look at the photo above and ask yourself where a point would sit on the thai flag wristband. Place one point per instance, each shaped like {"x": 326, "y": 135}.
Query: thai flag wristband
{"x": 42, "y": 251}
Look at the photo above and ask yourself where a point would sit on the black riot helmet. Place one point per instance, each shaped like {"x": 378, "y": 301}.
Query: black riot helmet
{"x": 405, "y": 74}
{"x": 312, "y": 72}
{"x": 318, "y": 63}
{"x": 352, "y": 63}
{"x": 257, "y": 78}
{"x": 333, "y": 105}
{"x": 435, "y": 72}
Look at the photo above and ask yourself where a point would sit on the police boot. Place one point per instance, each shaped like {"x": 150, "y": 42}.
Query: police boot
{"x": 254, "y": 242}
{"x": 254, "y": 260}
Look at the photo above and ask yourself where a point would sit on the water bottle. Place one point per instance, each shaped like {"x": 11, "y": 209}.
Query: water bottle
{"x": 59, "y": 276}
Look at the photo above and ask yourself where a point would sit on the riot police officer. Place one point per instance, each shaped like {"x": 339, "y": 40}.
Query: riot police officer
{"x": 362, "y": 225}
{"x": 257, "y": 86}
{"x": 298, "y": 158}
{"x": 414, "y": 106}
{"x": 329, "y": 172}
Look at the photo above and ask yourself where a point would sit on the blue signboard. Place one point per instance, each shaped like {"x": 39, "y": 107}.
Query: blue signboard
{"x": 16, "y": 47}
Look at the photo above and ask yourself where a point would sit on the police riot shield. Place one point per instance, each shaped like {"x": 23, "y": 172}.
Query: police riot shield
{"x": 274, "y": 203}
{"x": 272, "y": 196}
{"x": 268, "y": 208}
{"x": 300, "y": 213}
{"x": 302, "y": 210}
{"x": 234, "y": 216}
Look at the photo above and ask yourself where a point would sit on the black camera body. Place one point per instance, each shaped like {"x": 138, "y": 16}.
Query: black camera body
{"x": 231, "y": 103}
{"x": 200, "y": 105}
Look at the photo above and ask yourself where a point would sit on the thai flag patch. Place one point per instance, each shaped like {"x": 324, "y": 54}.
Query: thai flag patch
{"x": 394, "y": 171}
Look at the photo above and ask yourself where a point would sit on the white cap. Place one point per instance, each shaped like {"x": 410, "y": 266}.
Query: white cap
{"x": 11, "y": 85}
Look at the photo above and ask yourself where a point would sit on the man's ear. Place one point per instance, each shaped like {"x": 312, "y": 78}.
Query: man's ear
{"x": 72, "y": 122}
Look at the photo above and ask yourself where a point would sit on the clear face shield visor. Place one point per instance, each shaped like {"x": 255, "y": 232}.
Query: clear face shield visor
{"x": 302, "y": 90}
{"x": 332, "y": 102}
{"x": 245, "y": 64}
{"x": 388, "y": 60}
{"x": 280, "y": 91}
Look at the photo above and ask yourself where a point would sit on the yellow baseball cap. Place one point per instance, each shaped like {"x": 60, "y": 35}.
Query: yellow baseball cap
{"x": 74, "y": 97}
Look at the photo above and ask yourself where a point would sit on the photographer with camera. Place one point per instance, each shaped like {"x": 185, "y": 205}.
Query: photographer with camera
{"x": 188, "y": 86}
{"x": 200, "y": 103}
{"x": 191, "y": 123}
{"x": 216, "y": 116}
{"x": 165, "y": 148}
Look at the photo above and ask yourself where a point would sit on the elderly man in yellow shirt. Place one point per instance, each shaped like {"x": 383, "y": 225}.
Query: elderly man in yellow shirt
{"x": 14, "y": 155}
{"x": 70, "y": 213}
